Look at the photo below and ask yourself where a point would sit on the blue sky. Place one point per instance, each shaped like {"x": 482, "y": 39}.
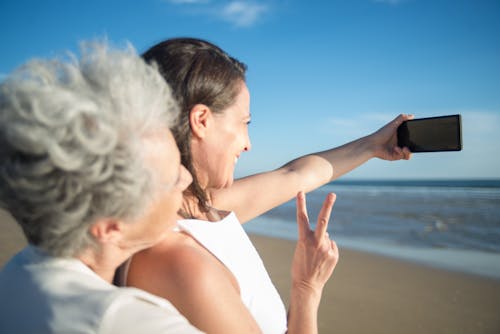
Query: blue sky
{"x": 321, "y": 73}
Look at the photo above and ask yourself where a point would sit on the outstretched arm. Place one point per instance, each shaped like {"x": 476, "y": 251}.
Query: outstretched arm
{"x": 251, "y": 196}
{"x": 316, "y": 255}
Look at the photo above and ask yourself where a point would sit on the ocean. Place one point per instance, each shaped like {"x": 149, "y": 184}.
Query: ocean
{"x": 451, "y": 224}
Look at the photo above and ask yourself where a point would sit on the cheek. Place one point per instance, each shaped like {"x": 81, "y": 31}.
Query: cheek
{"x": 221, "y": 160}
{"x": 166, "y": 213}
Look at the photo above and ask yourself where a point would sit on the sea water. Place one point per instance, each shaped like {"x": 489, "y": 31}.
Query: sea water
{"x": 453, "y": 224}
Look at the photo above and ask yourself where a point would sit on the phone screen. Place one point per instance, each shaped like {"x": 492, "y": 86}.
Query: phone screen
{"x": 431, "y": 134}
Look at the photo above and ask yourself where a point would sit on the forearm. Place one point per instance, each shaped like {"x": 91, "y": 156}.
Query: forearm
{"x": 303, "y": 312}
{"x": 347, "y": 157}
{"x": 323, "y": 167}
{"x": 319, "y": 168}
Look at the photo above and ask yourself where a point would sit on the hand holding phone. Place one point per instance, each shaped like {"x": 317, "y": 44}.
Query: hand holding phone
{"x": 432, "y": 134}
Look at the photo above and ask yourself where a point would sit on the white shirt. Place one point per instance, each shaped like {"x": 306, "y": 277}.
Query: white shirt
{"x": 228, "y": 241}
{"x": 44, "y": 294}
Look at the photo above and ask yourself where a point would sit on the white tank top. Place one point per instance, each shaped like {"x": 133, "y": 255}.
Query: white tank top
{"x": 227, "y": 241}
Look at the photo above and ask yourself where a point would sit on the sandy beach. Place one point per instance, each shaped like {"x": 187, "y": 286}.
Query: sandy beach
{"x": 373, "y": 294}
{"x": 369, "y": 293}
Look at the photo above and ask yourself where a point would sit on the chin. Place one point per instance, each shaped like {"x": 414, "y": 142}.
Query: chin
{"x": 224, "y": 184}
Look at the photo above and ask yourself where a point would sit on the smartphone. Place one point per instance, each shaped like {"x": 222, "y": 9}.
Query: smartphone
{"x": 432, "y": 134}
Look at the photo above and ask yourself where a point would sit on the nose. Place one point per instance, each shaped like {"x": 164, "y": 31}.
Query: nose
{"x": 248, "y": 145}
{"x": 186, "y": 178}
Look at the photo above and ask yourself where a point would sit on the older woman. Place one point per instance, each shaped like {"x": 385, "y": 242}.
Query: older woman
{"x": 91, "y": 172}
{"x": 224, "y": 269}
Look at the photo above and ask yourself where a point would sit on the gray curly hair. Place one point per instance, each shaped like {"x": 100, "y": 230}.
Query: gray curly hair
{"x": 70, "y": 143}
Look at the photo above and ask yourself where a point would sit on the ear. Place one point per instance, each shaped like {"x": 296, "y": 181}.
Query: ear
{"x": 107, "y": 230}
{"x": 200, "y": 120}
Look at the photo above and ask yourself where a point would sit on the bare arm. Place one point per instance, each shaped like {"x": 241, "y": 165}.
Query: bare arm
{"x": 251, "y": 196}
{"x": 313, "y": 263}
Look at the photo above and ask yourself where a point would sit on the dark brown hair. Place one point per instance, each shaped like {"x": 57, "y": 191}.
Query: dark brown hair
{"x": 198, "y": 72}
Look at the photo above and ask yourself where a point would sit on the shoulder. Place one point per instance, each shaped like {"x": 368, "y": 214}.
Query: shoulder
{"x": 179, "y": 265}
{"x": 195, "y": 282}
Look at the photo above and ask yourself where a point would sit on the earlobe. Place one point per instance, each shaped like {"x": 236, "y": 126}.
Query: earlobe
{"x": 199, "y": 119}
{"x": 106, "y": 230}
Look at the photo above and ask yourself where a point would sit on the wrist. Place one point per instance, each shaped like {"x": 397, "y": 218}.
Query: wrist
{"x": 370, "y": 146}
{"x": 303, "y": 311}
{"x": 305, "y": 292}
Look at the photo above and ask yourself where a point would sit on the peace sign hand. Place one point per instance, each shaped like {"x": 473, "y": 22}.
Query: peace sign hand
{"x": 316, "y": 255}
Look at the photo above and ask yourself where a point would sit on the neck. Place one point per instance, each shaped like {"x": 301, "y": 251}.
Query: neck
{"x": 191, "y": 210}
{"x": 103, "y": 262}
{"x": 190, "y": 207}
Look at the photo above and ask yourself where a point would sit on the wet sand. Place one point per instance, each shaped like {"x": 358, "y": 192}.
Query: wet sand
{"x": 374, "y": 294}
{"x": 369, "y": 293}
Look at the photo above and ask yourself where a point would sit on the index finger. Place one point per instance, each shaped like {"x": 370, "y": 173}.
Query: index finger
{"x": 402, "y": 118}
{"x": 324, "y": 215}
{"x": 302, "y": 218}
